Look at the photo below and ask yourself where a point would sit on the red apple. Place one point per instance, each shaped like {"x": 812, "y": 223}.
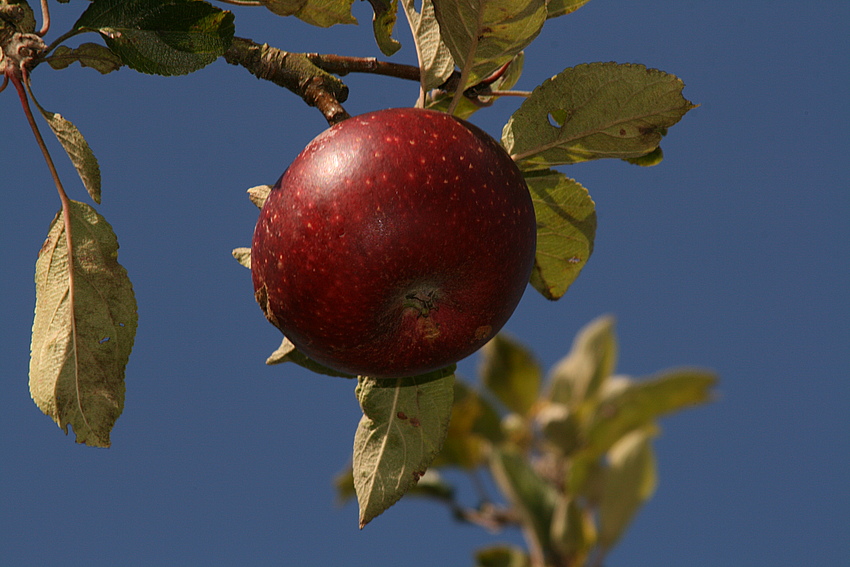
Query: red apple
{"x": 398, "y": 242}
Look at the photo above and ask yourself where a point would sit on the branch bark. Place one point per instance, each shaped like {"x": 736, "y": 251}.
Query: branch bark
{"x": 292, "y": 71}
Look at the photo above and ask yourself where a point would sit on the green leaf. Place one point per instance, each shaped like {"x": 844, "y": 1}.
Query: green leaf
{"x": 243, "y": 256}
{"x": 502, "y": 556}
{"x": 435, "y": 60}
{"x": 483, "y": 35}
{"x": 430, "y": 485}
{"x": 594, "y": 111}
{"x": 162, "y": 37}
{"x": 287, "y": 352}
{"x": 591, "y": 360}
{"x": 91, "y": 55}
{"x": 77, "y": 149}
{"x": 284, "y": 7}
{"x": 630, "y": 480}
{"x": 652, "y": 158}
{"x": 84, "y": 327}
{"x": 573, "y": 530}
{"x": 403, "y": 426}
{"x": 321, "y": 13}
{"x": 560, "y": 427}
{"x": 562, "y": 7}
{"x": 440, "y": 100}
{"x": 259, "y": 194}
{"x": 637, "y": 404}
{"x": 509, "y": 370}
{"x": 383, "y": 22}
{"x": 531, "y": 496}
{"x": 23, "y": 18}
{"x": 326, "y": 13}
{"x": 566, "y": 228}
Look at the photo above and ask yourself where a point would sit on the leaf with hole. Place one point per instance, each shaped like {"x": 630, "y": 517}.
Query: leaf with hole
{"x": 594, "y": 111}
{"x": 84, "y": 327}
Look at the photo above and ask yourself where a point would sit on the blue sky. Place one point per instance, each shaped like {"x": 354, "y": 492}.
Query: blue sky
{"x": 732, "y": 255}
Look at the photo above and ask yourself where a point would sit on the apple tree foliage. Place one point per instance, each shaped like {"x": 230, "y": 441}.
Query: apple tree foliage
{"x": 571, "y": 454}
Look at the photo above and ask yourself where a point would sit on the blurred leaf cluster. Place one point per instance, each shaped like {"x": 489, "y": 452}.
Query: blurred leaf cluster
{"x": 570, "y": 451}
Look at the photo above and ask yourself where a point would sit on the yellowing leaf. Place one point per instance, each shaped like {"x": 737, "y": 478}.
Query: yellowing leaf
{"x": 629, "y": 481}
{"x": 483, "y": 35}
{"x": 532, "y": 497}
{"x": 91, "y": 55}
{"x": 594, "y": 111}
{"x": 566, "y": 228}
{"x": 440, "y": 100}
{"x": 243, "y": 256}
{"x": 287, "y": 352}
{"x": 77, "y": 149}
{"x": 573, "y": 530}
{"x": 84, "y": 327}
{"x": 435, "y": 60}
{"x": 590, "y": 362}
{"x": 561, "y": 7}
{"x": 383, "y": 22}
{"x": 326, "y": 13}
{"x": 509, "y": 370}
{"x": 638, "y": 404}
{"x": 473, "y": 426}
{"x": 259, "y": 194}
{"x": 284, "y": 7}
{"x": 403, "y": 426}
{"x": 502, "y": 556}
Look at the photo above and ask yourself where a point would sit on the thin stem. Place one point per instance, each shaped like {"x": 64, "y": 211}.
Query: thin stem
{"x": 54, "y": 44}
{"x": 45, "y": 14}
{"x": 342, "y": 65}
{"x": 242, "y": 2}
{"x": 524, "y": 94}
{"x": 21, "y": 82}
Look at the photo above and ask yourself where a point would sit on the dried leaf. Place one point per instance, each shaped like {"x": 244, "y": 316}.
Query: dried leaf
{"x": 84, "y": 327}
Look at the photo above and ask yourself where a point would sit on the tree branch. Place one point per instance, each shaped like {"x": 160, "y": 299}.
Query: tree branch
{"x": 292, "y": 71}
{"x": 342, "y": 65}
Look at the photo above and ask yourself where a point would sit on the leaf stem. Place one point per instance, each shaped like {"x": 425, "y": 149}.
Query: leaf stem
{"x": 45, "y": 24}
{"x": 467, "y": 68}
{"x": 342, "y": 65}
{"x": 21, "y": 81}
{"x": 242, "y": 2}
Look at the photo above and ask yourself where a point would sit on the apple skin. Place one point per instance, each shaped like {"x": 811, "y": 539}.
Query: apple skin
{"x": 398, "y": 242}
